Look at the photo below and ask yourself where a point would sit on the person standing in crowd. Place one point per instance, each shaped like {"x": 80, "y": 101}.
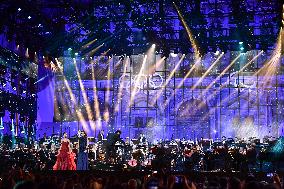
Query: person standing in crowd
{"x": 65, "y": 156}
{"x": 82, "y": 159}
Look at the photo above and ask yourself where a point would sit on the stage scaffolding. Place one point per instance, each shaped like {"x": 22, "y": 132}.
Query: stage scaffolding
{"x": 242, "y": 104}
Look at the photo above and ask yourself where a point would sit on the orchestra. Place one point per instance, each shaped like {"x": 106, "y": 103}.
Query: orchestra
{"x": 202, "y": 154}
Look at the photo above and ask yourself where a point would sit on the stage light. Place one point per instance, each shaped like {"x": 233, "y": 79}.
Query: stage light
{"x": 217, "y": 53}
{"x": 1, "y": 124}
{"x": 12, "y": 125}
{"x": 19, "y": 9}
{"x": 73, "y": 100}
{"x": 228, "y": 81}
{"x": 22, "y": 128}
{"x": 154, "y": 45}
{"x": 173, "y": 55}
{"x": 27, "y": 53}
{"x": 242, "y": 48}
{"x": 69, "y": 49}
{"x": 240, "y": 43}
{"x": 76, "y": 54}
{"x": 126, "y": 62}
{"x": 29, "y": 17}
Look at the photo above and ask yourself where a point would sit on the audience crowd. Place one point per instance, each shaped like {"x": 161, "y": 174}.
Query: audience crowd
{"x": 16, "y": 178}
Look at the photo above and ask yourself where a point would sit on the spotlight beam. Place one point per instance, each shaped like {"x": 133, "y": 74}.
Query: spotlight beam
{"x": 153, "y": 68}
{"x": 241, "y": 70}
{"x": 106, "y": 112}
{"x": 189, "y": 33}
{"x": 117, "y": 64}
{"x": 167, "y": 81}
{"x": 182, "y": 81}
{"x": 137, "y": 82}
{"x": 265, "y": 66}
{"x": 88, "y": 44}
{"x": 73, "y": 99}
{"x": 96, "y": 102}
{"x": 85, "y": 98}
{"x": 212, "y": 83}
{"x": 119, "y": 95}
{"x": 92, "y": 52}
{"x": 199, "y": 81}
{"x": 222, "y": 73}
{"x": 207, "y": 72}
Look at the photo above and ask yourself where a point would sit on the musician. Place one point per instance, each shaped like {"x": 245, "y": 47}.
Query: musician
{"x": 142, "y": 139}
{"x": 101, "y": 136}
{"x": 128, "y": 148}
{"x": 172, "y": 137}
{"x": 128, "y": 142}
{"x": 182, "y": 143}
{"x": 224, "y": 139}
{"x": 201, "y": 142}
{"x": 82, "y": 160}
{"x": 117, "y": 137}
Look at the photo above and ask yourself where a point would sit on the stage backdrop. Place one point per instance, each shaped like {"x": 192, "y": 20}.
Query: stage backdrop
{"x": 232, "y": 94}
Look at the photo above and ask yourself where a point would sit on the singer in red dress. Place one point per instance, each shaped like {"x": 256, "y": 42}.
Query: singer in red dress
{"x": 65, "y": 156}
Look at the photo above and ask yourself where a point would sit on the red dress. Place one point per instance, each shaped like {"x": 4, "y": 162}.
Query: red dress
{"x": 65, "y": 158}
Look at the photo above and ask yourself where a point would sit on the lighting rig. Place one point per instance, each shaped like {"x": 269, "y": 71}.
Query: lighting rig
{"x": 18, "y": 99}
{"x": 128, "y": 27}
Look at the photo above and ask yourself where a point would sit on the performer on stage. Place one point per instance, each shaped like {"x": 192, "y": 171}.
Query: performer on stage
{"x": 142, "y": 139}
{"x": 82, "y": 159}
{"x": 112, "y": 138}
{"x": 43, "y": 139}
{"x": 101, "y": 136}
{"x": 65, "y": 156}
